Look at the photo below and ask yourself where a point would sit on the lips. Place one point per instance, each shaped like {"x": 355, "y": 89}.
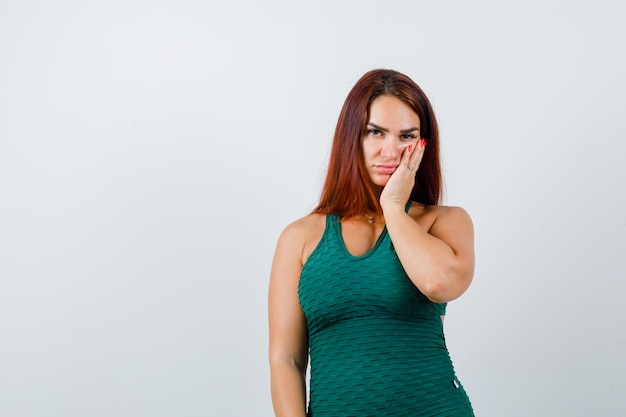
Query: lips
{"x": 387, "y": 169}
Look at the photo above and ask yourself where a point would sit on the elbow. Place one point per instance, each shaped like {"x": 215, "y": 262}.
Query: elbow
{"x": 435, "y": 291}
{"x": 279, "y": 363}
{"x": 447, "y": 284}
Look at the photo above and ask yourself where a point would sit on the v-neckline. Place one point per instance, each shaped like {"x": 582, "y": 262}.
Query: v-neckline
{"x": 379, "y": 240}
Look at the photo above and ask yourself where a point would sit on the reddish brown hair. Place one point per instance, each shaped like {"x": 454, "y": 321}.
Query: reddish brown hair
{"x": 347, "y": 190}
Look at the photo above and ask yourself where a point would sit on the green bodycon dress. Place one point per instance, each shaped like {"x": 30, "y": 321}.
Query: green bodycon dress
{"x": 376, "y": 342}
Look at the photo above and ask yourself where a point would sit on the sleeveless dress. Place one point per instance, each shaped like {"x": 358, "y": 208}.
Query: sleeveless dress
{"x": 376, "y": 343}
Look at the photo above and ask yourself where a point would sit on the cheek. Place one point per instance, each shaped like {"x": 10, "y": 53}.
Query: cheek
{"x": 368, "y": 149}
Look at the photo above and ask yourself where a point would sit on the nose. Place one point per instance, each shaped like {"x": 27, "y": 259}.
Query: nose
{"x": 391, "y": 149}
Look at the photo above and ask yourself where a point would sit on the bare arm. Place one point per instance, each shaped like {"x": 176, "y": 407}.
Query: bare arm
{"x": 439, "y": 261}
{"x": 438, "y": 258}
{"x": 288, "y": 350}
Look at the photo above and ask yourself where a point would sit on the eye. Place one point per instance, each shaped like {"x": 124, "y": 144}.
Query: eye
{"x": 408, "y": 136}
{"x": 374, "y": 132}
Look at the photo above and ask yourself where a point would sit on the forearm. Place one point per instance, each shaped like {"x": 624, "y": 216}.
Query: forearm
{"x": 288, "y": 390}
{"x": 429, "y": 262}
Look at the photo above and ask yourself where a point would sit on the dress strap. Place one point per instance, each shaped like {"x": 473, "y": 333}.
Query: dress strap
{"x": 331, "y": 221}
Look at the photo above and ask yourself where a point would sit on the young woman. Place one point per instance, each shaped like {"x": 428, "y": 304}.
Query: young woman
{"x": 360, "y": 285}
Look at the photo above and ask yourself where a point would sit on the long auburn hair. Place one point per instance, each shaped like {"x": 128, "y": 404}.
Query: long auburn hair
{"x": 347, "y": 190}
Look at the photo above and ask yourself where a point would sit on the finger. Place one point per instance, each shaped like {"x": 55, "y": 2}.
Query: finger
{"x": 406, "y": 154}
{"x": 417, "y": 154}
{"x": 408, "y": 159}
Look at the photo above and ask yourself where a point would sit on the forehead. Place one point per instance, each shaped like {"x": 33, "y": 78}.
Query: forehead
{"x": 391, "y": 112}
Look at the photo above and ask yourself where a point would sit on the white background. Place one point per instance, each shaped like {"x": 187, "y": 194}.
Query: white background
{"x": 152, "y": 151}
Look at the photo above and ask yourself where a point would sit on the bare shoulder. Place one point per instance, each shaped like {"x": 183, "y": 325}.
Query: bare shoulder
{"x": 437, "y": 217}
{"x": 453, "y": 225}
{"x": 303, "y": 234}
{"x": 451, "y": 213}
{"x": 303, "y": 228}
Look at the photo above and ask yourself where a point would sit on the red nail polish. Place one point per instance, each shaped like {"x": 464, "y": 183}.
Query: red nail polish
{"x": 423, "y": 143}
{"x": 408, "y": 148}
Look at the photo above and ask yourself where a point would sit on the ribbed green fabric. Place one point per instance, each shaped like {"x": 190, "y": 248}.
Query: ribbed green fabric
{"x": 376, "y": 342}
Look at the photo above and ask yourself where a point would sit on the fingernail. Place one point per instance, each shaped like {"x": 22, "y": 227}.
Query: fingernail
{"x": 409, "y": 148}
{"x": 423, "y": 143}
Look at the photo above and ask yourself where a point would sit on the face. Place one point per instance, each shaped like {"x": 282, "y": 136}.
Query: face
{"x": 392, "y": 126}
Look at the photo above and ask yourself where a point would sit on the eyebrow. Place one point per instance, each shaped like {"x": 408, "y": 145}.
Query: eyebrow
{"x": 409, "y": 130}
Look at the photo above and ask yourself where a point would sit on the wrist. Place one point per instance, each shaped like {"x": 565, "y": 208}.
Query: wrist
{"x": 392, "y": 208}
